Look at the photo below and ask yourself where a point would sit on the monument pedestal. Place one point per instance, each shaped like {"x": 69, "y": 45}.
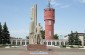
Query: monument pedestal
{"x": 36, "y": 47}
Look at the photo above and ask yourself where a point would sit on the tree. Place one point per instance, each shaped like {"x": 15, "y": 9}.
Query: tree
{"x": 0, "y": 33}
{"x": 43, "y": 34}
{"x": 56, "y": 36}
{"x": 74, "y": 39}
{"x": 71, "y": 38}
{"x": 27, "y": 37}
{"x": 77, "y": 40}
{"x": 6, "y": 35}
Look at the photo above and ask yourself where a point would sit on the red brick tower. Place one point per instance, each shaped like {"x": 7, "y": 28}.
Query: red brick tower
{"x": 49, "y": 18}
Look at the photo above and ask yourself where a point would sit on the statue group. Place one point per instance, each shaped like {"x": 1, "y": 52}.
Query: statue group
{"x": 35, "y": 36}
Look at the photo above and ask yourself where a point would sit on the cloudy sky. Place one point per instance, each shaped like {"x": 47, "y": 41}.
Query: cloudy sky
{"x": 70, "y": 15}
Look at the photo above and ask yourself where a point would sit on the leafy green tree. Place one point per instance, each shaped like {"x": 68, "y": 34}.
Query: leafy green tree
{"x": 74, "y": 39}
{"x": 56, "y": 36}
{"x": 27, "y": 37}
{"x": 77, "y": 40}
{"x": 0, "y": 33}
{"x": 71, "y": 38}
{"x": 6, "y": 35}
{"x": 43, "y": 34}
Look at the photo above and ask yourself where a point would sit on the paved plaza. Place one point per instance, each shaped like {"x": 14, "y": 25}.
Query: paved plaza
{"x": 52, "y": 51}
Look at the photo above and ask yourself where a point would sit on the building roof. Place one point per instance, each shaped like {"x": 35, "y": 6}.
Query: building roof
{"x": 80, "y": 34}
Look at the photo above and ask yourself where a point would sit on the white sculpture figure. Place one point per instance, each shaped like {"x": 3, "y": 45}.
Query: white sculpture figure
{"x": 39, "y": 37}
{"x": 32, "y": 30}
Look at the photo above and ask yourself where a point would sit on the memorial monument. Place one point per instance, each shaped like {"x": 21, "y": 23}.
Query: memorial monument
{"x": 35, "y": 31}
{"x": 33, "y": 24}
{"x": 35, "y": 36}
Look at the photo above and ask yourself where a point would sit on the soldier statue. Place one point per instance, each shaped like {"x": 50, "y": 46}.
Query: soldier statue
{"x": 39, "y": 37}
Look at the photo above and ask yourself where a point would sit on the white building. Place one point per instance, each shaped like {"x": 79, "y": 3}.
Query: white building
{"x": 20, "y": 41}
{"x": 25, "y": 42}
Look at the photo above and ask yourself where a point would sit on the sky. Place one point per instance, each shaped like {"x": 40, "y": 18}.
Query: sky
{"x": 69, "y": 15}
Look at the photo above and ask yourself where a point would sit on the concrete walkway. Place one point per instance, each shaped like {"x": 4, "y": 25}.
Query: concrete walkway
{"x": 53, "y": 51}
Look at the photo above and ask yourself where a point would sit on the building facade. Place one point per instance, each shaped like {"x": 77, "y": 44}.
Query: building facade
{"x": 25, "y": 42}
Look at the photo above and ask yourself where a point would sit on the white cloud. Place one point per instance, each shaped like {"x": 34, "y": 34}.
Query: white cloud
{"x": 65, "y": 6}
{"x": 82, "y": 1}
{"x": 55, "y": 3}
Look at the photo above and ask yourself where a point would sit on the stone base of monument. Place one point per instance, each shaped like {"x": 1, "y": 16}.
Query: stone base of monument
{"x": 36, "y": 47}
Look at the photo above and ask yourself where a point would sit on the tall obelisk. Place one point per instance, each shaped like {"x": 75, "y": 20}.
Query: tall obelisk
{"x": 33, "y": 24}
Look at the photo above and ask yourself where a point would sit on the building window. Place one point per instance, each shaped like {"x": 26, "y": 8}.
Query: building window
{"x": 23, "y": 43}
{"x": 53, "y": 43}
{"x": 27, "y": 42}
{"x": 49, "y": 22}
{"x": 49, "y": 43}
{"x": 14, "y": 42}
{"x": 18, "y": 43}
{"x": 62, "y": 43}
{"x": 57, "y": 43}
